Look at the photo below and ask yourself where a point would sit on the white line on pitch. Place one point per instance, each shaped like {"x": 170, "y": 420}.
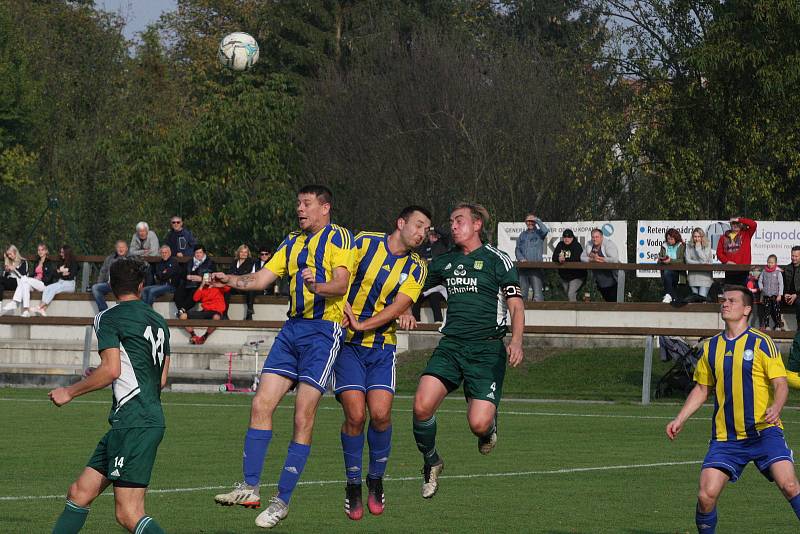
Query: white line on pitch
{"x": 563, "y": 471}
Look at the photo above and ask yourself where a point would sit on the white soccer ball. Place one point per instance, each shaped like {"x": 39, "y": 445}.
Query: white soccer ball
{"x": 238, "y": 51}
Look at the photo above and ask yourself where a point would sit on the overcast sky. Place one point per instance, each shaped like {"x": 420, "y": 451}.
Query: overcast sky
{"x": 137, "y": 13}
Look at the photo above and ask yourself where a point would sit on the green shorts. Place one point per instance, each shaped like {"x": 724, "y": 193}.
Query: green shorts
{"x": 480, "y": 364}
{"x": 126, "y": 456}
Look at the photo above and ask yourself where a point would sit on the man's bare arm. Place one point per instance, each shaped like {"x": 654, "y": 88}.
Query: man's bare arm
{"x": 336, "y": 287}
{"x": 256, "y": 281}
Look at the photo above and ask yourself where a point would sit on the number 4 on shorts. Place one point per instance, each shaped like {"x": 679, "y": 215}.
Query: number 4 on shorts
{"x": 493, "y": 388}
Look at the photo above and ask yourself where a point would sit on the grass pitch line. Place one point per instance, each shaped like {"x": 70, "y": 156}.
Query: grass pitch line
{"x": 563, "y": 471}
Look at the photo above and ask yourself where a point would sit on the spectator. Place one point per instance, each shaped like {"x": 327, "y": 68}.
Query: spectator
{"x": 166, "y": 276}
{"x": 213, "y": 301}
{"x": 435, "y": 246}
{"x": 14, "y": 268}
{"x": 771, "y": 285}
{"x": 144, "y": 242}
{"x": 192, "y": 275}
{"x": 530, "y": 247}
{"x": 672, "y": 252}
{"x": 752, "y": 286}
{"x": 242, "y": 264}
{"x": 42, "y": 272}
{"x": 180, "y": 240}
{"x": 264, "y": 254}
{"x": 791, "y": 283}
{"x": 63, "y": 280}
{"x": 734, "y": 248}
{"x": 569, "y": 250}
{"x": 603, "y": 251}
{"x": 698, "y": 251}
{"x": 102, "y": 287}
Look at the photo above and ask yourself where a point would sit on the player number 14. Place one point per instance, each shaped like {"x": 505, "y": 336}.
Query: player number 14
{"x": 157, "y": 343}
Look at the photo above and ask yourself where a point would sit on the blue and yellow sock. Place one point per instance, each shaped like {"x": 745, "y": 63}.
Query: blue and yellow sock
{"x": 353, "y": 449}
{"x": 256, "y": 444}
{"x": 706, "y": 523}
{"x": 71, "y": 519}
{"x": 380, "y": 445}
{"x": 795, "y": 502}
{"x": 148, "y": 525}
{"x": 292, "y": 469}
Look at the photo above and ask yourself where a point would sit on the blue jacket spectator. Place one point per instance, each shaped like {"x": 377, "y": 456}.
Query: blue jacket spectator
{"x": 530, "y": 247}
{"x": 166, "y": 276}
{"x": 180, "y": 240}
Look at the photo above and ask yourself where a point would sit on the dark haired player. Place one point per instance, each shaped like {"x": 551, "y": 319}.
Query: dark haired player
{"x": 133, "y": 342}
{"x": 744, "y": 368}
{"x": 317, "y": 260}
{"x": 482, "y": 287}
{"x": 387, "y": 279}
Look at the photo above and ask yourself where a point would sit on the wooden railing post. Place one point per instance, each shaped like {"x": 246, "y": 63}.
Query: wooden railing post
{"x": 647, "y": 372}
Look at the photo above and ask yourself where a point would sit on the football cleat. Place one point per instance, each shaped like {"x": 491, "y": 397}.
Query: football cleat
{"x": 242, "y": 494}
{"x": 353, "y": 505}
{"x": 375, "y": 499}
{"x": 487, "y": 443}
{"x": 275, "y": 512}
{"x": 431, "y": 474}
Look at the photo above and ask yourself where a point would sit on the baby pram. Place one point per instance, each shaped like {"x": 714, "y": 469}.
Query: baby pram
{"x": 680, "y": 377}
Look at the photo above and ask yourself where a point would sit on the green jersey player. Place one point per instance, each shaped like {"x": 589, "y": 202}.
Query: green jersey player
{"x": 133, "y": 342}
{"x": 482, "y": 287}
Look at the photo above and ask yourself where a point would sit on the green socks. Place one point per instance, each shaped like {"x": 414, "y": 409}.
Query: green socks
{"x": 425, "y": 436}
{"x": 147, "y": 525}
{"x": 71, "y": 519}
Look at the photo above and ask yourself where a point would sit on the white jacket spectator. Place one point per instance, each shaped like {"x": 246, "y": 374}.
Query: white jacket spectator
{"x": 144, "y": 242}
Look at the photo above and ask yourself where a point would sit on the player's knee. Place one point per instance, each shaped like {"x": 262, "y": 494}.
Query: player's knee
{"x": 303, "y": 423}
{"x": 790, "y": 488}
{"x": 422, "y": 411}
{"x": 480, "y": 425}
{"x": 706, "y": 501}
{"x": 127, "y": 517}
{"x": 380, "y": 420}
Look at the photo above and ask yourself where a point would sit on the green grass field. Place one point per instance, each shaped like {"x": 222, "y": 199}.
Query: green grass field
{"x": 560, "y": 467}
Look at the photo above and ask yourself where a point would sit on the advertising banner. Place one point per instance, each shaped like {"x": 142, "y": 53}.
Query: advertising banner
{"x": 616, "y": 231}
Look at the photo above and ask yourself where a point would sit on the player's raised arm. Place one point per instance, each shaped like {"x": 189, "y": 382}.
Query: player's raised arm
{"x": 336, "y": 287}
{"x": 694, "y": 401}
{"x": 256, "y": 281}
{"x": 108, "y": 371}
{"x": 402, "y": 303}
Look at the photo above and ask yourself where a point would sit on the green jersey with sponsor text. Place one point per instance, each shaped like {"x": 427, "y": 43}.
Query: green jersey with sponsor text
{"x": 477, "y": 284}
{"x": 142, "y": 337}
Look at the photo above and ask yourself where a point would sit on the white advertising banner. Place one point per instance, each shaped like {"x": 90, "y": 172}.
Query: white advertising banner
{"x": 771, "y": 237}
{"x": 616, "y": 231}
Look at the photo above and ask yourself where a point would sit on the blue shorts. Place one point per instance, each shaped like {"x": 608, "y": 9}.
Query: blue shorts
{"x": 362, "y": 368}
{"x": 764, "y": 450}
{"x": 304, "y": 350}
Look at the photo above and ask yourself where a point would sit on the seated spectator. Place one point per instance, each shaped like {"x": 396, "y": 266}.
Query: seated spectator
{"x": 791, "y": 284}
{"x": 14, "y": 268}
{"x": 213, "y": 301}
{"x": 180, "y": 240}
{"x": 569, "y": 250}
{"x": 264, "y": 254}
{"x": 603, "y": 251}
{"x": 63, "y": 280}
{"x": 166, "y": 276}
{"x": 191, "y": 278}
{"x": 673, "y": 252}
{"x": 698, "y": 251}
{"x": 734, "y": 248}
{"x": 39, "y": 276}
{"x": 102, "y": 287}
{"x": 530, "y": 247}
{"x": 144, "y": 242}
{"x": 770, "y": 282}
{"x": 435, "y": 246}
{"x": 242, "y": 264}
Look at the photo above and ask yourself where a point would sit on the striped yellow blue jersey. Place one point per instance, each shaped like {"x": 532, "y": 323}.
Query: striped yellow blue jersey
{"x": 740, "y": 371}
{"x": 321, "y": 252}
{"x": 378, "y": 276}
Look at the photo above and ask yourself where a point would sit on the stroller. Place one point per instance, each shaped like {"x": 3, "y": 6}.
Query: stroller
{"x": 679, "y": 378}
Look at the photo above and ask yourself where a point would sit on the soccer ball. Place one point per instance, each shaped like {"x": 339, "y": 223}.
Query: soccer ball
{"x": 238, "y": 51}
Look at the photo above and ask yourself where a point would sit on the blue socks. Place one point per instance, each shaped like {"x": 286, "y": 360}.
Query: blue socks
{"x": 353, "y": 449}
{"x": 256, "y": 443}
{"x": 706, "y": 523}
{"x": 380, "y": 445}
{"x": 292, "y": 469}
{"x": 795, "y": 502}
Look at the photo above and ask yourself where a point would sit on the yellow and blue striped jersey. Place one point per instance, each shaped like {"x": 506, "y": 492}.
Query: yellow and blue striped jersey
{"x": 377, "y": 277}
{"x": 740, "y": 371}
{"x": 322, "y": 252}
